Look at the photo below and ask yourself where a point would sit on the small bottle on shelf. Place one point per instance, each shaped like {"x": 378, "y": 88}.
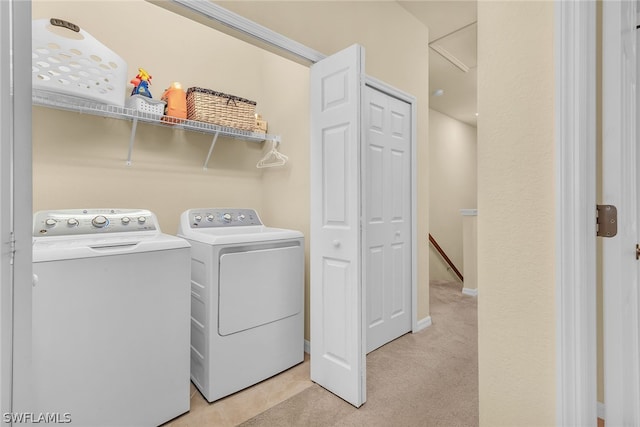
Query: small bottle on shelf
{"x": 176, "y": 109}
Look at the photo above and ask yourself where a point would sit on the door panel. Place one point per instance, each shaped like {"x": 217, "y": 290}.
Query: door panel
{"x": 336, "y": 299}
{"x": 337, "y": 351}
{"x": 399, "y": 278}
{"x": 334, "y": 174}
{"x": 375, "y": 285}
{"x": 387, "y": 175}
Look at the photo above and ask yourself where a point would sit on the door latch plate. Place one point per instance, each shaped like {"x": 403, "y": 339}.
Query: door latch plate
{"x": 606, "y": 220}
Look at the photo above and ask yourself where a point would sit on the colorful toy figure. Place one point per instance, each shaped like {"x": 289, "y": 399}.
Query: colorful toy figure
{"x": 141, "y": 83}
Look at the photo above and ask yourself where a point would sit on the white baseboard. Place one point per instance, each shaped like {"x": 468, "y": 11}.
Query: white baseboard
{"x": 307, "y": 347}
{"x": 423, "y": 324}
{"x": 470, "y": 292}
{"x": 601, "y": 411}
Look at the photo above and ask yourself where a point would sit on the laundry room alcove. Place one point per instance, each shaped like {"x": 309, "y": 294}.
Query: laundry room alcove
{"x": 166, "y": 180}
{"x": 79, "y": 160}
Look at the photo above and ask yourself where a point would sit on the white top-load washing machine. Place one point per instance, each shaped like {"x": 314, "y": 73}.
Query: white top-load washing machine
{"x": 247, "y": 299}
{"x": 110, "y": 318}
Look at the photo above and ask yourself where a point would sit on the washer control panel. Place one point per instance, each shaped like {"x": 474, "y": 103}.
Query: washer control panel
{"x": 219, "y": 217}
{"x": 92, "y": 221}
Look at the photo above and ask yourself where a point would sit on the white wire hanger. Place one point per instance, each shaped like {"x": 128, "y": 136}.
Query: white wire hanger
{"x": 273, "y": 157}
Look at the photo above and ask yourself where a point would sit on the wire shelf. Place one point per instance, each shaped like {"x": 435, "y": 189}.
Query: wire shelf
{"x": 85, "y": 106}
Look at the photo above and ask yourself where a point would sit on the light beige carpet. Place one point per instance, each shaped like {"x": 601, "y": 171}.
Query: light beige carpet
{"x": 424, "y": 379}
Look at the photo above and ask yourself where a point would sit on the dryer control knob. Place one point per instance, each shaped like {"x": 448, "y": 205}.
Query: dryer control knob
{"x": 125, "y": 220}
{"x": 142, "y": 220}
{"x": 209, "y": 217}
{"x": 227, "y": 217}
{"x": 241, "y": 217}
{"x": 198, "y": 218}
{"x": 72, "y": 222}
{"x": 100, "y": 221}
{"x": 50, "y": 222}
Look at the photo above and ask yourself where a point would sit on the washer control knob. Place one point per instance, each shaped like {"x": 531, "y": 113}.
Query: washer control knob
{"x": 241, "y": 217}
{"x": 209, "y": 217}
{"x": 226, "y": 217}
{"x": 198, "y": 218}
{"x": 142, "y": 219}
{"x": 125, "y": 220}
{"x": 50, "y": 222}
{"x": 72, "y": 222}
{"x": 100, "y": 221}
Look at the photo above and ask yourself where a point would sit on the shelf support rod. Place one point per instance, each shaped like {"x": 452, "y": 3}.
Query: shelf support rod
{"x": 213, "y": 143}
{"x": 131, "y": 139}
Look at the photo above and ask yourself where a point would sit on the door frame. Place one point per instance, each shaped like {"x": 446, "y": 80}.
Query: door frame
{"x": 575, "y": 52}
{"x": 575, "y": 45}
{"x": 387, "y": 89}
{"x": 16, "y": 207}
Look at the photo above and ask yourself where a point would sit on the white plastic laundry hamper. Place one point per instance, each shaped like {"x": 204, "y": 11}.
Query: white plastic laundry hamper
{"x": 68, "y": 60}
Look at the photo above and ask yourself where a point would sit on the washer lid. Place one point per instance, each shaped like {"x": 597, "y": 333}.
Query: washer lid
{"x": 55, "y": 249}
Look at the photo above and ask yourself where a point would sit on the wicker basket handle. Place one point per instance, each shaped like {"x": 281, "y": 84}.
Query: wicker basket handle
{"x": 231, "y": 99}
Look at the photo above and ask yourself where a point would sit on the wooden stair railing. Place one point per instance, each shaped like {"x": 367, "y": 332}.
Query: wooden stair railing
{"x": 445, "y": 257}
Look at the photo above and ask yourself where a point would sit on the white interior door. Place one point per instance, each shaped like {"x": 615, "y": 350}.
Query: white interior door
{"x": 337, "y": 346}
{"x": 387, "y": 216}
{"x": 620, "y": 188}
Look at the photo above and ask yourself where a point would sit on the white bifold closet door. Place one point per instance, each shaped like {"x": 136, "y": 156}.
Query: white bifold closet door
{"x": 387, "y": 216}
{"x": 337, "y": 333}
{"x": 361, "y": 228}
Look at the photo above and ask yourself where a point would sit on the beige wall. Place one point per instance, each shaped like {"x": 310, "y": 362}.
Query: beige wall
{"x": 453, "y": 178}
{"x": 79, "y": 160}
{"x": 516, "y": 213}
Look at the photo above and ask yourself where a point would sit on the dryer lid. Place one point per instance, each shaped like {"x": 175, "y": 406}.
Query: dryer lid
{"x": 221, "y": 226}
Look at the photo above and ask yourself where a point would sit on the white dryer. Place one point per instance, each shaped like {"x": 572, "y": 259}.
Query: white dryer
{"x": 247, "y": 299}
{"x": 110, "y": 318}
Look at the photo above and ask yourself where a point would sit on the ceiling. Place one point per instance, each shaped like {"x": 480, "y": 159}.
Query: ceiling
{"x": 452, "y": 55}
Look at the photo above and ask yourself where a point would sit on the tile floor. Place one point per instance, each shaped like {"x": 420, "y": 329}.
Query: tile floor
{"x": 244, "y": 405}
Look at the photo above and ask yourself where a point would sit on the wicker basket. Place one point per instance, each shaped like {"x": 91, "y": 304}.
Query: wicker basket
{"x": 218, "y": 108}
